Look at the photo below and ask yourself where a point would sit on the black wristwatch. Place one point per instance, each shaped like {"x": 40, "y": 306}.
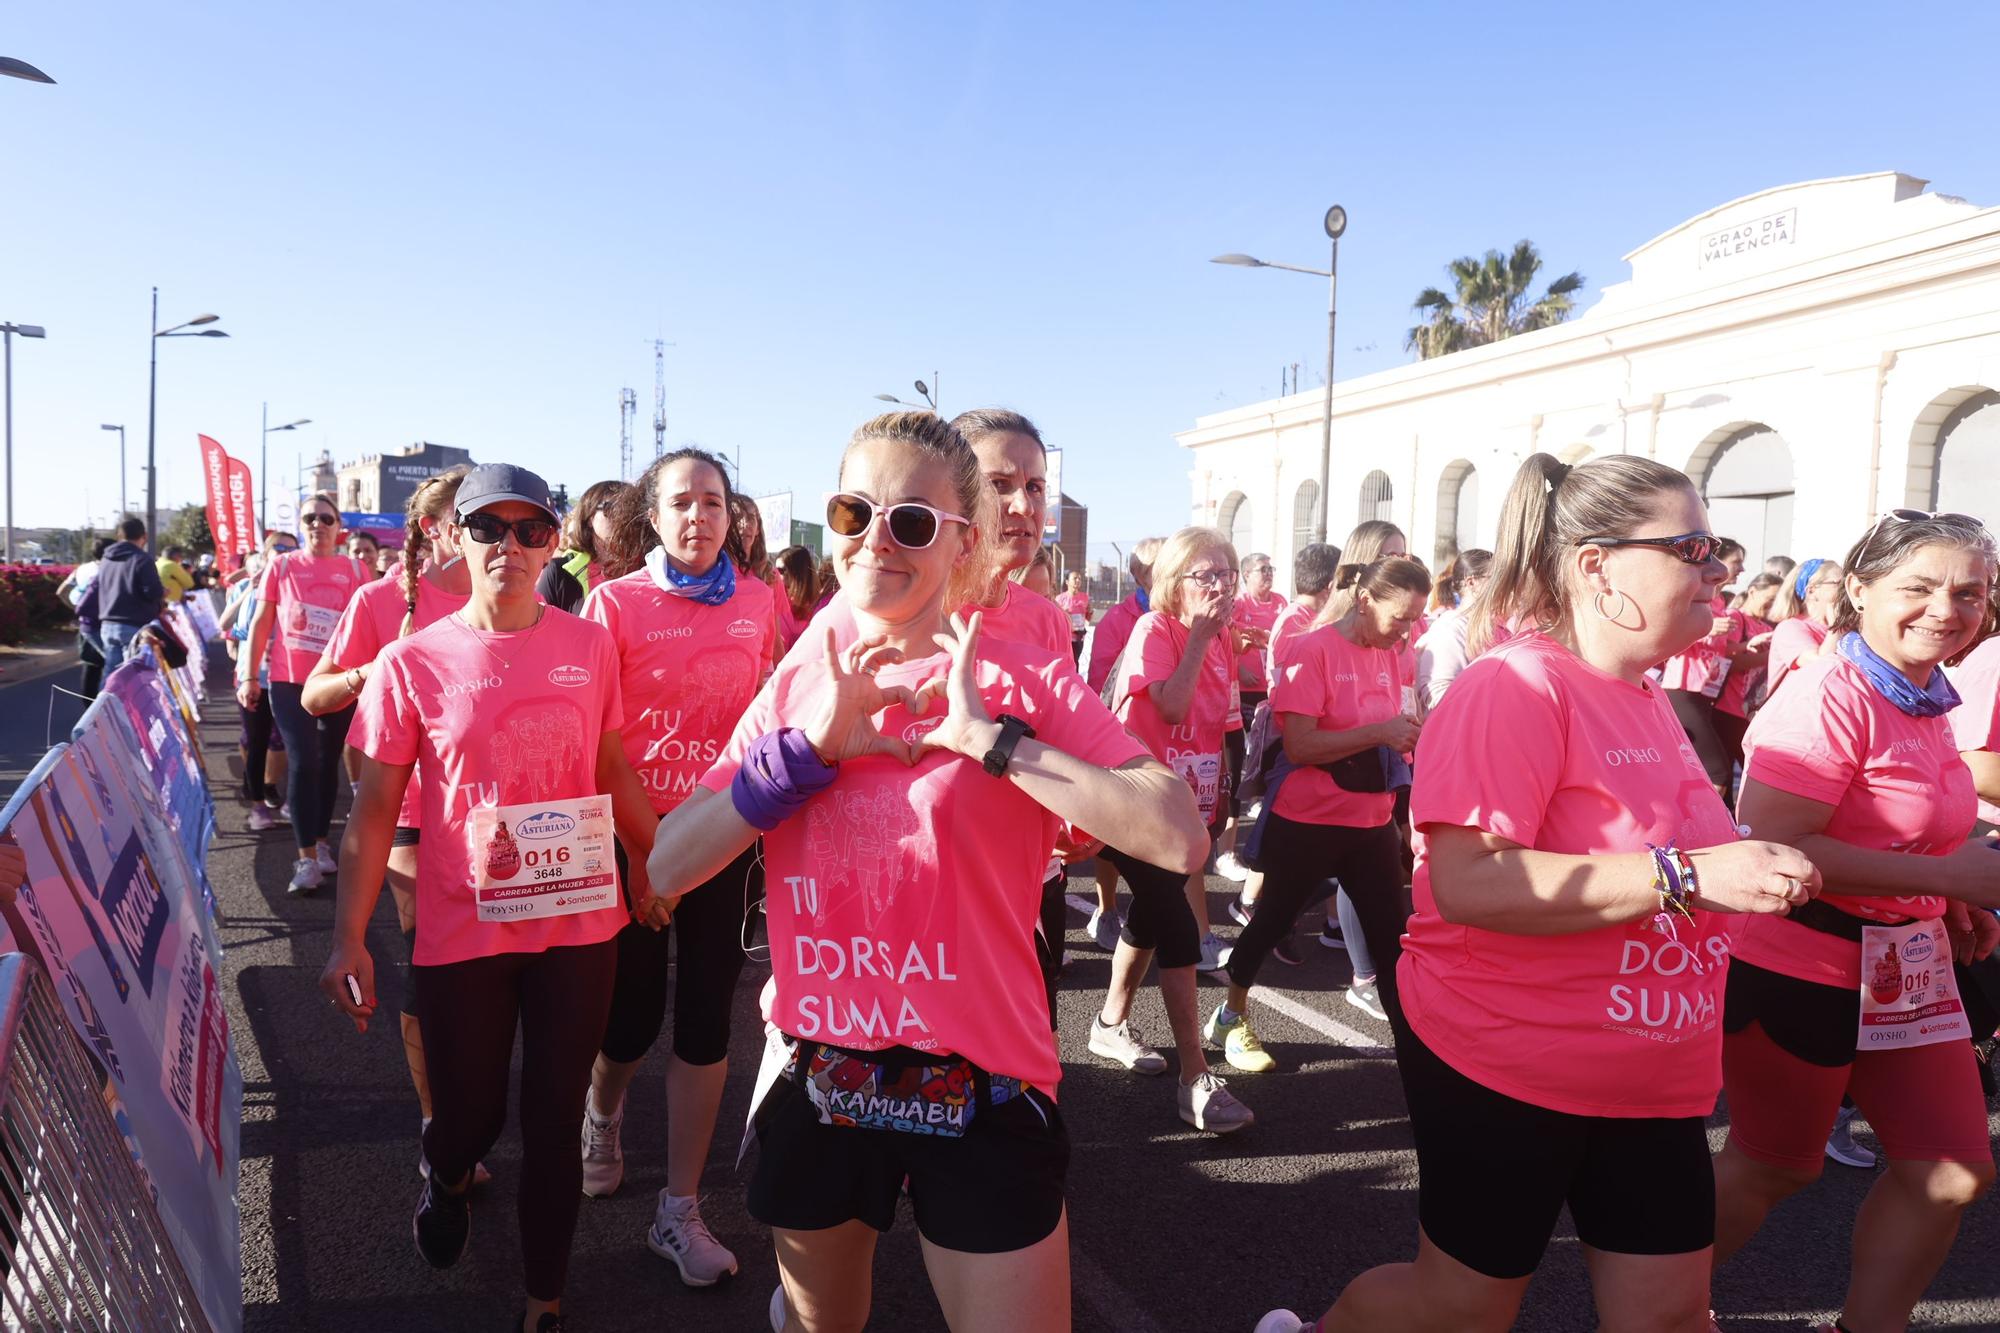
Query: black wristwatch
{"x": 1012, "y": 729}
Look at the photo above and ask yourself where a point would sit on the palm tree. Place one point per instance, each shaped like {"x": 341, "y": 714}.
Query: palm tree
{"x": 1492, "y": 302}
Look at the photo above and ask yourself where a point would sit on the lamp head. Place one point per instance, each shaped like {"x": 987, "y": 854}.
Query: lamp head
{"x": 203, "y": 319}
{"x": 1240, "y": 261}
{"x": 1336, "y": 222}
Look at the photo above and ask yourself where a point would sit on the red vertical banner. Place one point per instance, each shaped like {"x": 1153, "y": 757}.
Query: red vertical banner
{"x": 215, "y": 474}
{"x": 242, "y": 516}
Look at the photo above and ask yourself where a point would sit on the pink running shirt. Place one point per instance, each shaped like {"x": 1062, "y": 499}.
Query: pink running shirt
{"x": 1113, "y": 629}
{"x": 1341, "y": 686}
{"x": 371, "y": 623}
{"x": 307, "y": 594}
{"x": 1792, "y": 642}
{"x": 1535, "y": 745}
{"x": 1192, "y": 747}
{"x": 1895, "y": 782}
{"x": 490, "y": 720}
{"x": 1073, "y": 605}
{"x": 1021, "y": 617}
{"x": 1735, "y": 697}
{"x": 1975, "y": 723}
{"x": 1291, "y": 624}
{"x": 1698, "y": 668}
{"x": 902, "y": 901}
{"x": 686, "y": 673}
{"x": 1258, "y": 613}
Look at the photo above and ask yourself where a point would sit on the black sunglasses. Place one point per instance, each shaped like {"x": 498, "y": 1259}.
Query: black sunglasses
{"x": 488, "y": 529}
{"x": 318, "y": 519}
{"x": 914, "y": 526}
{"x": 1690, "y": 548}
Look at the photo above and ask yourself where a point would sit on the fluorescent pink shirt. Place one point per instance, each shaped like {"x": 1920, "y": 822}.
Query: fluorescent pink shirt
{"x": 1895, "y": 782}
{"x": 490, "y": 720}
{"x": 1112, "y": 631}
{"x": 1021, "y": 617}
{"x": 1257, "y": 613}
{"x": 1291, "y": 624}
{"x": 686, "y": 672}
{"x": 902, "y": 901}
{"x": 1735, "y": 696}
{"x": 308, "y": 593}
{"x": 1075, "y": 605}
{"x": 1534, "y": 745}
{"x": 1191, "y": 747}
{"x": 1697, "y": 670}
{"x": 1793, "y": 641}
{"x": 1340, "y": 685}
{"x": 371, "y": 623}
{"x": 1975, "y": 723}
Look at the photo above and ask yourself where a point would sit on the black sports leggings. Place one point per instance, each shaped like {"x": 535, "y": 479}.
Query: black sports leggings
{"x": 707, "y": 931}
{"x": 1049, "y": 936}
{"x": 468, "y": 1012}
{"x": 312, "y": 755}
{"x": 1298, "y": 859}
{"x": 257, "y": 726}
{"x": 1159, "y": 918}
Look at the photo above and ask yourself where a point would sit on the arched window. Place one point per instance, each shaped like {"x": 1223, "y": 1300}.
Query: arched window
{"x": 1304, "y": 503}
{"x": 1378, "y": 497}
{"x": 1457, "y": 510}
{"x": 1234, "y": 520}
{"x": 1965, "y": 471}
{"x": 1746, "y": 478}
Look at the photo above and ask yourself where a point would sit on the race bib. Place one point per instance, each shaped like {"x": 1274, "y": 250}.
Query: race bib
{"x": 1077, "y": 623}
{"x": 311, "y": 626}
{"x": 543, "y": 859}
{"x": 1203, "y": 772}
{"x": 1909, "y": 993}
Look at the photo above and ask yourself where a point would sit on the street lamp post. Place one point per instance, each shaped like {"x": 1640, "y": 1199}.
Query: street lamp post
{"x": 1336, "y": 223}
{"x": 123, "y": 512}
{"x": 7, "y": 332}
{"x": 264, "y": 465}
{"x": 153, "y": 401}
{"x": 929, "y": 391}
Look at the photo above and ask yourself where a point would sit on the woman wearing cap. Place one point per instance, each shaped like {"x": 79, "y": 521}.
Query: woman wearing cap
{"x": 694, "y": 639}
{"x": 1854, "y": 763}
{"x": 511, "y": 707}
{"x": 902, "y": 930}
{"x": 300, "y": 599}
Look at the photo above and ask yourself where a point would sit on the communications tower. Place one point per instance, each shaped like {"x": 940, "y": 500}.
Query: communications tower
{"x": 659, "y": 398}
{"x": 628, "y": 408}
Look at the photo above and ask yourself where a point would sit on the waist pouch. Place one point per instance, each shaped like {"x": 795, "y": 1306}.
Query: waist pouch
{"x": 1374, "y": 770}
{"x": 1830, "y": 920}
{"x": 898, "y": 1090}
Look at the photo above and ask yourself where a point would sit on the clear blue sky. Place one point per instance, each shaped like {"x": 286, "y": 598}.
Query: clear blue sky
{"x": 465, "y": 223}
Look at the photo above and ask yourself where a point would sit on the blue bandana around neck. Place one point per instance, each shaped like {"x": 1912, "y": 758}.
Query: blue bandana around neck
{"x": 1934, "y": 700}
{"x": 1145, "y": 602}
{"x": 710, "y": 589}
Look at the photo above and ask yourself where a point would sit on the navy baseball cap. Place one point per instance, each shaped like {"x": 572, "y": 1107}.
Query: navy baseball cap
{"x": 496, "y": 483}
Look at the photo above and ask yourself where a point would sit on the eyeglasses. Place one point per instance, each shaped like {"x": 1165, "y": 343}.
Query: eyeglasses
{"x": 318, "y": 519}
{"x": 489, "y": 529}
{"x": 1690, "y": 548}
{"x": 1213, "y": 578}
{"x": 913, "y": 526}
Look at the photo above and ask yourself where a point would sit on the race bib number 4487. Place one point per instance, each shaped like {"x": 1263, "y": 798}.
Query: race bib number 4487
{"x": 543, "y": 859}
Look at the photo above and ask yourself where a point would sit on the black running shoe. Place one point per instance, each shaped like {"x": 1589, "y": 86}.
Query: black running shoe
{"x": 441, "y": 1226}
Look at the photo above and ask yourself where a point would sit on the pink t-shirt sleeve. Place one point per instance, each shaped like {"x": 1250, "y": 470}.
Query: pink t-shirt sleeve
{"x": 1811, "y": 742}
{"x": 1975, "y": 722}
{"x": 1514, "y": 710}
{"x": 356, "y": 640}
{"x": 1078, "y": 723}
{"x": 1155, "y": 660}
{"x": 386, "y": 724}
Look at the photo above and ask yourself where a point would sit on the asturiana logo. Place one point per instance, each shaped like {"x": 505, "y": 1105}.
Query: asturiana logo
{"x": 920, "y": 728}
{"x": 546, "y": 824}
{"x": 1918, "y": 949}
{"x": 743, "y": 629}
{"x": 571, "y": 676}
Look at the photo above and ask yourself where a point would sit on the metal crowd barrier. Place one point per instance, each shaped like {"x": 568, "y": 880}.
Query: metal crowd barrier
{"x": 81, "y": 1244}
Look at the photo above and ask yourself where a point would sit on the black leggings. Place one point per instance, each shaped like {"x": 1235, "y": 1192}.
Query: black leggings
{"x": 707, "y": 932}
{"x": 256, "y": 746}
{"x": 312, "y": 754}
{"x": 1049, "y": 939}
{"x": 1298, "y": 858}
{"x": 1160, "y": 918}
{"x": 469, "y": 1011}
{"x": 1697, "y": 718}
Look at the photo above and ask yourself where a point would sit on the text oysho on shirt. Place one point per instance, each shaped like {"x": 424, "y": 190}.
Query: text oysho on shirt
{"x": 371, "y": 622}
{"x": 1341, "y": 686}
{"x": 1191, "y": 747}
{"x": 307, "y": 593}
{"x": 1895, "y": 782}
{"x": 901, "y": 901}
{"x": 490, "y": 720}
{"x": 686, "y": 673}
{"x": 1534, "y": 745}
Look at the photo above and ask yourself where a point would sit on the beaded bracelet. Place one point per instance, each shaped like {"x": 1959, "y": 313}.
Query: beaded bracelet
{"x": 1674, "y": 880}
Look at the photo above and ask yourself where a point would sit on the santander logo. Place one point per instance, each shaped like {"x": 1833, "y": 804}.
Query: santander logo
{"x": 743, "y": 629}
{"x": 569, "y": 676}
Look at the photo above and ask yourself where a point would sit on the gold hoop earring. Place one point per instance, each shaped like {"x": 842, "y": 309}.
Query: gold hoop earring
{"x": 1597, "y": 605}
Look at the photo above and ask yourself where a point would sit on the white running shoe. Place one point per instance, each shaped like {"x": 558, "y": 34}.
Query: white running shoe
{"x": 1363, "y": 996}
{"x": 323, "y": 857}
{"x": 1103, "y": 930}
{"x": 1227, "y": 866}
{"x": 603, "y": 1156}
{"x": 306, "y": 877}
{"x": 261, "y": 818}
{"x": 1118, "y": 1043}
{"x": 1280, "y": 1321}
{"x": 1214, "y": 954}
{"x": 679, "y": 1234}
{"x": 1208, "y": 1104}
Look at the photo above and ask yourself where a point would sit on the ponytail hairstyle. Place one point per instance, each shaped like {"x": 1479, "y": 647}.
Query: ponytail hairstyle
{"x": 636, "y": 505}
{"x": 433, "y": 499}
{"x": 1362, "y": 547}
{"x": 1550, "y": 507}
{"x": 1383, "y": 577}
{"x": 799, "y": 572}
{"x": 753, "y": 556}
{"x": 1814, "y": 572}
{"x": 1762, "y": 593}
{"x": 931, "y": 435}
{"x": 577, "y": 534}
{"x": 1448, "y": 591}
{"x": 1895, "y": 540}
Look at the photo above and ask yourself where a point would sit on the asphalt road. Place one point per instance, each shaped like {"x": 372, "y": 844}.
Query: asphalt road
{"x": 1172, "y": 1230}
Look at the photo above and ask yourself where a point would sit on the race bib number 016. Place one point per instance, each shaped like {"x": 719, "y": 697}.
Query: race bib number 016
{"x": 1909, "y": 994}
{"x": 543, "y": 859}
{"x": 312, "y": 626}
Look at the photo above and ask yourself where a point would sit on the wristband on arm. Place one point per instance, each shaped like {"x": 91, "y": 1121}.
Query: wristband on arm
{"x": 780, "y": 773}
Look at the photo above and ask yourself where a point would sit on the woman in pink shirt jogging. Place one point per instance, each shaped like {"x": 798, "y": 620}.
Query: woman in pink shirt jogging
{"x": 1561, "y": 976}
{"x": 1855, "y": 763}
{"x": 511, "y": 707}
{"x": 908, "y": 790}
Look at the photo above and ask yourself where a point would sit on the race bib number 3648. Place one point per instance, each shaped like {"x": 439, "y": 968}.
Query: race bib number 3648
{"x": 543, "y": 859}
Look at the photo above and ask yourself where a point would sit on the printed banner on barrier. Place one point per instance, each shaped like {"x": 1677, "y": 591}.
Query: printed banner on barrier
{"x": 164, "y": 758}
{"x": 111, "y": 909}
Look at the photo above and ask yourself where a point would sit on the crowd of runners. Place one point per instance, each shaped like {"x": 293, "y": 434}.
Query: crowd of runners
{"x": 1606, "y": 829}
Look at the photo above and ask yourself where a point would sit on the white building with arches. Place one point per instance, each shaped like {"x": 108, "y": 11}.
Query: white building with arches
{"x": 1811, "y": 355}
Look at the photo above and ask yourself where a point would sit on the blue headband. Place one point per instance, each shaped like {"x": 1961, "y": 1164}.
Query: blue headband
{"x": 1806, "y": 571}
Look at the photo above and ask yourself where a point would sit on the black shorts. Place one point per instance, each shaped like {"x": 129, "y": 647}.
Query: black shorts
{"x": 1494, "y": 1173}
{"x": 997, "y": 1189}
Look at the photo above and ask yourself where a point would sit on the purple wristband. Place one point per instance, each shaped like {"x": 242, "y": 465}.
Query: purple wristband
{"x": 780, "y": 772}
